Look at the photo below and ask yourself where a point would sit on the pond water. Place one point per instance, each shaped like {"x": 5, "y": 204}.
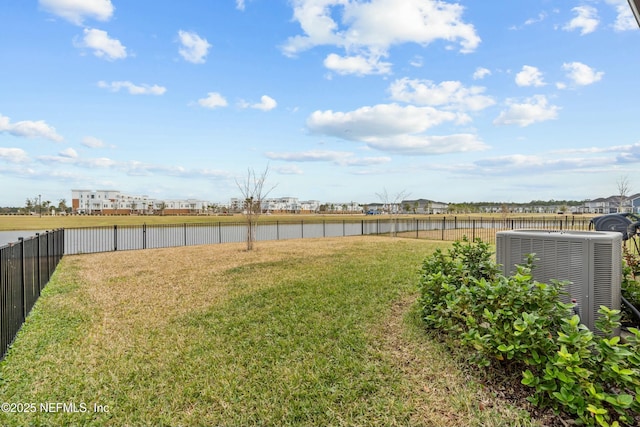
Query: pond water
{"x": 7, "y": 237}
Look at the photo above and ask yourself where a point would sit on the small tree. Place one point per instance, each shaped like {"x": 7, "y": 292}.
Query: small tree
{"x": 623, "y": 191}
{"x": 29, "y": 205}
{"x": 62, "y": 205}
{"x": 392, "y": 203}
{"x": 253, "y": 193}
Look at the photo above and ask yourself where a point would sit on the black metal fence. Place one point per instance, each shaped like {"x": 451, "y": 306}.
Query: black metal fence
{"x": 27, "y": 265}
{"x": 130, "y": 237}
{"x": 25, "y": 268}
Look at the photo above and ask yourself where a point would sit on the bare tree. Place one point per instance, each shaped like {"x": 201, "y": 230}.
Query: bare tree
{"x": 623, "y": 191}
{"x": 391, "y": 204}
{"x": 253, "y": 192}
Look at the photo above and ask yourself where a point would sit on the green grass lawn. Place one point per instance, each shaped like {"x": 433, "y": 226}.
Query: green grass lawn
{"x": 298, "y": 332}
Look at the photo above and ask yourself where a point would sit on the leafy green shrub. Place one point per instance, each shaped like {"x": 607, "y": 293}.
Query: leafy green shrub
{"x": 518, "y": 322}
{"x": 503, "y": 318}
{"x": 596, "y": 379}
{"x": 630, "y": 284}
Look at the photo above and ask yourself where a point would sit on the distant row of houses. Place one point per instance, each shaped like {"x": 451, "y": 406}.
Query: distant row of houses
{"x": 113, "y": 202}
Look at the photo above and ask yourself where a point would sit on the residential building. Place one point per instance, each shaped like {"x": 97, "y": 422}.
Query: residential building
{"x": 113, "y": 202}
{"x": 424, "y": 206}
{"x": 613, "y": 204}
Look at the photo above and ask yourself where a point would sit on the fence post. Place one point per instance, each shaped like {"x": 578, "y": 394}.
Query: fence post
{"x": 344, "y": 230}
{"x": 362, "y": 227}
{"x": 185, "y": 233}
{"x": 22, "y": 280}
{"x": 39, "y": 272}
{"x": 115, "y": 237}
{"x": 144, "y": 236}
{"x": 473, "y": 229}
{"x": 444, "y": 225}
{"x": 48, "y": 257}
{"x": 302, "y": 228}
{"x": 277, "y": 230}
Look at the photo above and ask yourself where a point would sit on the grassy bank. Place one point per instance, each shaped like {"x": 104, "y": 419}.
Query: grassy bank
{"x": 313, "y": 332}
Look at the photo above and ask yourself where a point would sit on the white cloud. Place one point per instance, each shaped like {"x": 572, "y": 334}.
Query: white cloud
{"x": 379, "y": 120}
{"x": 392, "y": 128}
{"x": 533, "y": 110}
{"x": 517, "y": 164}
{"x": 266, "y": 103}
{"x": 590, "y": 159}
{"x": 13, "y": 155}
{"x": 133, "y": 89}
{"x": 194, "y": 48}
{"x": 92, "y": 142}
{"x": 625, "y": 20}
{"x": 365, "y": 161}
{"x": 101, "y": 162}
{"x": 69, "y": 152}
{"x": 289, "y": 170}
{"x": 103, "y": 46}
{"x": 541, "y": 17}
{"x": 29, "y": 129}
{"x": 76, "y": 11}
{"x": 417, "y": 61}
{"x": 481, "y": 73}
{"x": 343, "y": 158}
{"x": 582, "y": 74}
{"x": 366, "y": 38}
{"x": 428, "y": 144}
{"x": 358, "y": 65}
{"x": 213, "y": 100}
{"x": 240, "y": 4}
{"x": 586, "y": 20}
{"x": 309, "y": 156}
{"x": 529, "y": 76}
{"x": 450, "y": 94}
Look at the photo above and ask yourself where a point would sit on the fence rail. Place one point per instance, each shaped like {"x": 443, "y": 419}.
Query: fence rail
{"x": 25, "y": 268}
{"x": 27, "y": 265}
{"x": 131, "y": 237}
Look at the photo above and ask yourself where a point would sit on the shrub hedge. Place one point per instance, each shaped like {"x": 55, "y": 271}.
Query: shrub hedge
{"x": 517, "y": 322}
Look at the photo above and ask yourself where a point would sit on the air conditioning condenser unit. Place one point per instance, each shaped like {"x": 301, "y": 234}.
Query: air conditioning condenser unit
{"x": 590, "y": 260}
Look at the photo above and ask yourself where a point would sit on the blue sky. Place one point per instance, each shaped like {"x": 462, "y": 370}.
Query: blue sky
{"x": 487, "y": 100}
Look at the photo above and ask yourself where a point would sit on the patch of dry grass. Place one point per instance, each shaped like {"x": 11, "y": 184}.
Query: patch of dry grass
{"x": 297, "y": 332}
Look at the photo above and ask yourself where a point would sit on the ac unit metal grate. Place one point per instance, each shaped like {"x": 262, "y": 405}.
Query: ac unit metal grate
{"x": 590, "y": 261}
